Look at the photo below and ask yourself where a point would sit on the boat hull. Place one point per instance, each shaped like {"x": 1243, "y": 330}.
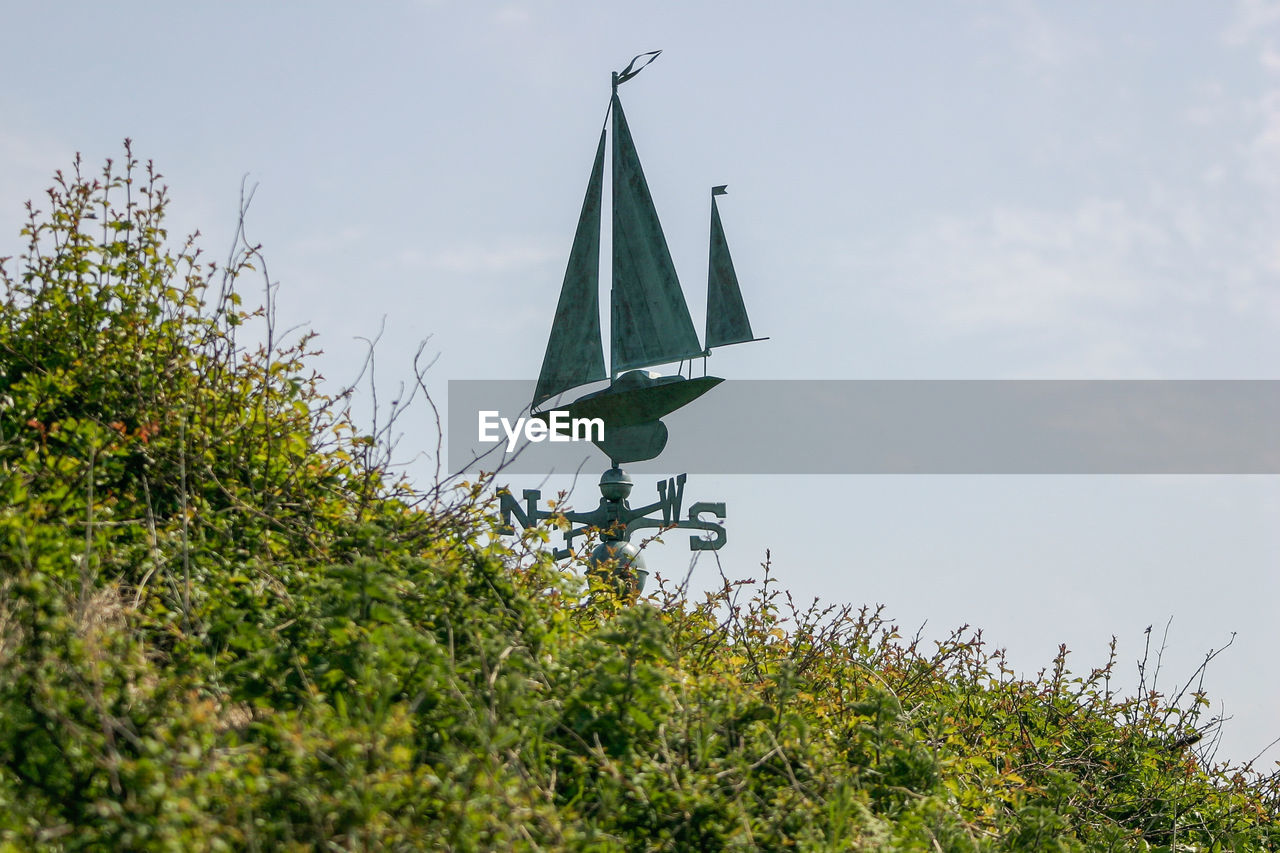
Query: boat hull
{"x": 632, "y": 409}
{"x": 625, "y": 407}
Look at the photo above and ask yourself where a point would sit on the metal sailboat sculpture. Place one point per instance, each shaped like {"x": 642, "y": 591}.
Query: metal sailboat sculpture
{"x": 649, "y": 319}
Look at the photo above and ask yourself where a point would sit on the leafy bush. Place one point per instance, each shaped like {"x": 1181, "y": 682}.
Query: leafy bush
{"x": 224, "y": 625}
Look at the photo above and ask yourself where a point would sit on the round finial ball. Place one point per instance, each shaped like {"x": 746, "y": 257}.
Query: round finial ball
{"x": 615, "y": 484}
{"x": 627, "y": 557}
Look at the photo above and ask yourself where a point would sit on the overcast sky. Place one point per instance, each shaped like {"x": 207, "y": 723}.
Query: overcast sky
{"x": 994, "y": 190}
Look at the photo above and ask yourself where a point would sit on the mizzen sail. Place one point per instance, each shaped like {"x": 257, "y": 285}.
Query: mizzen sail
{"x": 727, "y": 321}
{"x": 575, "y": 354}
{"x": 650, "y": 321}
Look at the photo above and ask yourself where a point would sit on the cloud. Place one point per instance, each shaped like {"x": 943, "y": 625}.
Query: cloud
{"x": 1033, "y": 35}
{"x": 29, "y": 163}
{"x": 1250, "y": 20}
{"x": 1262, "y": 154}
{"x": 1211, "y": 105}
{"x": 1270, "y": 58}
{"x": 340, "y": 239}
{"x": 512, "y": 16}
{"x": 29, "y": 153}
{"x": 1179, "y": 266}
{"x": 1104, "y": 287}
{"x": 1020, "y": 268}
{"x": 472, "y": 260}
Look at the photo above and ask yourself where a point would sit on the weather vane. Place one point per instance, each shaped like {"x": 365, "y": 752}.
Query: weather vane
{"x": 649, "y": 326}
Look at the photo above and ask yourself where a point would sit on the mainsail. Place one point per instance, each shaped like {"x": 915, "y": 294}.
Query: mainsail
{"x": 650, "y": 321}
{"x": 575, "y": 354}
{"x": 727, "y": 321}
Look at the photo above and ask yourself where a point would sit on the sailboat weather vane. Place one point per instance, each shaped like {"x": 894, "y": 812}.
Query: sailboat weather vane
{"x": 649, "y": 326}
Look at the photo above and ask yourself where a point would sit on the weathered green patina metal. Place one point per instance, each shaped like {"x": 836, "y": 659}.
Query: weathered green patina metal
{"x": 649, "y": 318}
{"x": 649, "y": 326}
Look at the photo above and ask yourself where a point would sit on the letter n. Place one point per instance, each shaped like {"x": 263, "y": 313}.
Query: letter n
{"x": 527, "y": 517}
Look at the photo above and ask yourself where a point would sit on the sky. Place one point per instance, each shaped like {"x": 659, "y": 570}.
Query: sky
{"x": 1004, "y": 190}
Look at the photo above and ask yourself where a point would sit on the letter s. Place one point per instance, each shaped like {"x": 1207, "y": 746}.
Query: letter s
{"x": 719, "y": 535}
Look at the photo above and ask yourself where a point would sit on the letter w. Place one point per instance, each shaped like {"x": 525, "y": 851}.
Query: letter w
{"x": 671, "y": 496}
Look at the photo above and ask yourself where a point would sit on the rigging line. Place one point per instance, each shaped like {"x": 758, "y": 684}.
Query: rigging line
{"x": 604, "y": 131}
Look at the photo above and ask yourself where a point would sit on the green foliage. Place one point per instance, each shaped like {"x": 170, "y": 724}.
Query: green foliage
{"x": 224, "y": 625}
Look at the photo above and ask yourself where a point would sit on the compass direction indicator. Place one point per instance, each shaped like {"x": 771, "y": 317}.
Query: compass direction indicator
{"x": 615, "y": 520}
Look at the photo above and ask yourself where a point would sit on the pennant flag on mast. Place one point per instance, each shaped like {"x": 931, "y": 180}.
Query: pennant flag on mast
{"x": 630, "y": 71}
